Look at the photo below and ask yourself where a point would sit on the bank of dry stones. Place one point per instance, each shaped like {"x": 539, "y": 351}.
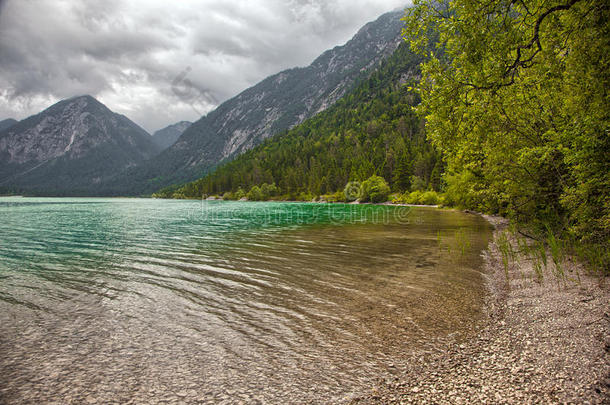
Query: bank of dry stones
{"x": 540, "y": 343}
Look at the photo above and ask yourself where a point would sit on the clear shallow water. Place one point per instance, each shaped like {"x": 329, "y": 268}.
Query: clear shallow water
{"x": 117, "y": 300}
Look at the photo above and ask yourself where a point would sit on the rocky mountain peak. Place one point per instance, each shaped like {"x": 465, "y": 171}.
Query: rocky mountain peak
{"x": 277, "y": 103}
{"x": 77, "y": 132}
{"x": 7, "y": 123}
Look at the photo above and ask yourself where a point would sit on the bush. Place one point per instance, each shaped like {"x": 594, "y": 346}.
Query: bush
{"x": 463, "y": 191}
{"x": 374, "y": 189}
{"x": 397, "y": 198}
{"x": 303, "y": 196}
{"x": 269, "y": 190}
{"x": 339, "y": 196}
{"x": 240, "y": 193}
{"x": 413, "y": 197}
{"x": 429, "y": 198}
{"x": 228, "y": 196}
{"x": 352, "y": 191}
{"x": 255, "y": 194}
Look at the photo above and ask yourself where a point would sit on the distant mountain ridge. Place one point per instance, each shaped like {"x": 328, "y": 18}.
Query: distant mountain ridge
{"x": 166, "y": 137}
{"x": 372, "y": 131}
{"x": 275, "y": 104}
{"x": 9, "y": 122}
{"x": 70, "y": 148}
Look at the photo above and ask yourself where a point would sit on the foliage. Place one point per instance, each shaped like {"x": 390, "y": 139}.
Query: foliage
{"x": 262, "y": 193}
{"x": 371, "y": 131}
{"x": 430, "y": 198}
{"x": 419, "y": 198}
{"x": 515, "y": 95}
{"x": 352, "y": 191}
{"x": 255, "y": 194}
{"x": 240, "y": 193}
{"x": 234, "y": 196}
{"x": 338, "y": 196}
{"x": 374, "y": 189}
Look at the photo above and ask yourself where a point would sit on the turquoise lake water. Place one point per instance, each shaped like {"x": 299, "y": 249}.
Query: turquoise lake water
{"x": 117, "y": 300}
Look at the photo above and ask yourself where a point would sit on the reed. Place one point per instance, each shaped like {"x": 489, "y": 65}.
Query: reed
{"x": 462, "y": 241}
{"x": 524, "y": 252}
{"x": 556, "y": 249}
{"x": 538, "y": 252}
{"x": 574, "y": 243}
{"x": 593, "y": 257}
{"x": 504, "y": 247}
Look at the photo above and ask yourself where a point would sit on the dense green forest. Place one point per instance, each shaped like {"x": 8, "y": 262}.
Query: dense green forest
{"x": 516, "y": 99}
{"x": 511, "y": 116}
{"x": 374, "y": 131}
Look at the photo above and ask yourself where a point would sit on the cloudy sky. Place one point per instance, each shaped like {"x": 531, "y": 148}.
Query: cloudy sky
{"x": 159, "y": 61}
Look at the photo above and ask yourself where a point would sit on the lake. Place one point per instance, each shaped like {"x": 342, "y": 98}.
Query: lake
{"x": 117, "y": 300}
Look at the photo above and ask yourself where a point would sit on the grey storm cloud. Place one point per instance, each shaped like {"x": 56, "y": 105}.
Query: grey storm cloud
{"x": 160, "y": 62}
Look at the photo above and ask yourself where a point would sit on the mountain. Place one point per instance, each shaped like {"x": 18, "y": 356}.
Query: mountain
{"x": 9, "y": 122}
{"x": 166, "y": 137}
{"x": 70, "y": 148}
{"x": 373, "y": 130}
{"x": 277, "y": 103}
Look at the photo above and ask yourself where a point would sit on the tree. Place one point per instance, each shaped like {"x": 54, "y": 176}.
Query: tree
{"x": 373, "y": 130}
{"x": 515, "y": 94}
{"x": 255, "y": 194}
{"x": 268, "y": 191}
{"x": 375, "y": 189}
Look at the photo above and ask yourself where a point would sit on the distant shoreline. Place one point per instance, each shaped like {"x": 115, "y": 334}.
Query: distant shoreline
{"x": 387, "y": 203}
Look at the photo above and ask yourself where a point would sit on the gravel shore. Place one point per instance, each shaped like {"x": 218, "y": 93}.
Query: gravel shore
{"x": 539, "y": 343}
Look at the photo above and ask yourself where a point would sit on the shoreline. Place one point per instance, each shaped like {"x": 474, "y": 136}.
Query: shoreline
{"x": 387, "y": 203}
{"x": 538, "y": 343}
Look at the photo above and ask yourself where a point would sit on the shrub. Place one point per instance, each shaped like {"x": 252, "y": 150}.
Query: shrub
{"x": 269, "y": 190}
{"x": 462, "y": 191}
{"x": 374, "y": 189}
{"x": 397, "y": 198}
{"x": 240, "y": 193}
{"x": 339, "y": 196}
{"x": 352, "y": 191}
{"x": 429, "y": 198}
{"x": 413, "y": 197}
{"x": 304, "y": 196}
{"x": 255, "y": 194}
{"x": 228, "y": 196}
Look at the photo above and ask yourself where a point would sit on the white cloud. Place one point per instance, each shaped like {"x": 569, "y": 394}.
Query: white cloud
{"x": 128, "y": 53}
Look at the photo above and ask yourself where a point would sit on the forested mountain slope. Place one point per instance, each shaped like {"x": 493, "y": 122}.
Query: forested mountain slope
{"x": 275, "y": 104}
{"x": 372, "y": 131}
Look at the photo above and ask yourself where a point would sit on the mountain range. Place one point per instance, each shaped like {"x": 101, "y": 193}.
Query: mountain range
{"x": 275, "y": 104}
{"x": 9, "y": 122}
{"x": 372, "y": 132}
{"x": 70, "y": 148}
{"x": 78, "y": 146}
{"x": 166, "y": 137}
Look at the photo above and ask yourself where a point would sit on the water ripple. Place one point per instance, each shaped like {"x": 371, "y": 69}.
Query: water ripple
{"x": 142, "y": 300}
